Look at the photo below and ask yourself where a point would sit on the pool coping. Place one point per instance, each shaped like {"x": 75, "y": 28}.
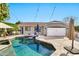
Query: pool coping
{"x": 56, "y": 53}
{"x": 59, "y": 47}
{"x": 8, "y": 38}
{"x": 4, "y": 47}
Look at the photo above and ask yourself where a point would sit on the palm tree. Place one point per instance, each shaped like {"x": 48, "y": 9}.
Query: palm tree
{"x": 4, "y": 11}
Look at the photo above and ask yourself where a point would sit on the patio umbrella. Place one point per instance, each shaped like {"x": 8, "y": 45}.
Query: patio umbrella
{"x": 71, "y": 36}
{"x": 72, "y": 32}
{"x": 4, "y": 26}
{"x": 37, "y": 29}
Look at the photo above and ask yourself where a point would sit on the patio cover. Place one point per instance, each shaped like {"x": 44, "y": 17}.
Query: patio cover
{"x": 2, "y": 25}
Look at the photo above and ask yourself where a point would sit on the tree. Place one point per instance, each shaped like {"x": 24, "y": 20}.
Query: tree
{"x": 18, "y": 22}
{"x": 77, "y": 28}
{"x": 67, "y": 19}
{"x": 4, "y": 11}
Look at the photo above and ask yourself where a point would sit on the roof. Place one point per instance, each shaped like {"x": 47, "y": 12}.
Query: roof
{"x": 56, "y": 24}
{"x": 32, "y": 23}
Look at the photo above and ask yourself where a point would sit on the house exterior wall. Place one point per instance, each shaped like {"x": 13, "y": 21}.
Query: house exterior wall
{"x": 32, "y": 30}
{"x": 43, "y": 27}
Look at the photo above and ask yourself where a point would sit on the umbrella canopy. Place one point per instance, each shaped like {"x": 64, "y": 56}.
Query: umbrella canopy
{"x": 37, "y": 28}
{"x": 71, "y": 48}
{"x": 71, "y": 30}
{"x": 2, "y": 25}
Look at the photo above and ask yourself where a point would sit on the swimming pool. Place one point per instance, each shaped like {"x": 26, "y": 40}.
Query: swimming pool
{"x": 25, "y": 46}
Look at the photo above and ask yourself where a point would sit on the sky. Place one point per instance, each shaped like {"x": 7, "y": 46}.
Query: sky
{"x": 35, "y": 12}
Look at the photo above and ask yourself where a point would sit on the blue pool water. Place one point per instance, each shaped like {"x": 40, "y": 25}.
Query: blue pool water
{"x": 24, "y": 46}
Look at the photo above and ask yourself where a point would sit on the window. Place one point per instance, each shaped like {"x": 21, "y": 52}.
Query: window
{"x": 27, "y": 28}
{"x": 42, "y": 28}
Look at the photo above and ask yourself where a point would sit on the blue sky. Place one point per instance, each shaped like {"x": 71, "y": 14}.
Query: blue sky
{"x": 26, "y": 12}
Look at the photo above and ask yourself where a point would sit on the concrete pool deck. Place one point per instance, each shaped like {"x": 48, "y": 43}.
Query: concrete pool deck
{"x": 58, "y": 42}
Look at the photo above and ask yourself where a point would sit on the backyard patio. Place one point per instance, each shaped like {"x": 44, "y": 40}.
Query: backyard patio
{"x": 59, "y": 43}
{"x": 55, "y": 34}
